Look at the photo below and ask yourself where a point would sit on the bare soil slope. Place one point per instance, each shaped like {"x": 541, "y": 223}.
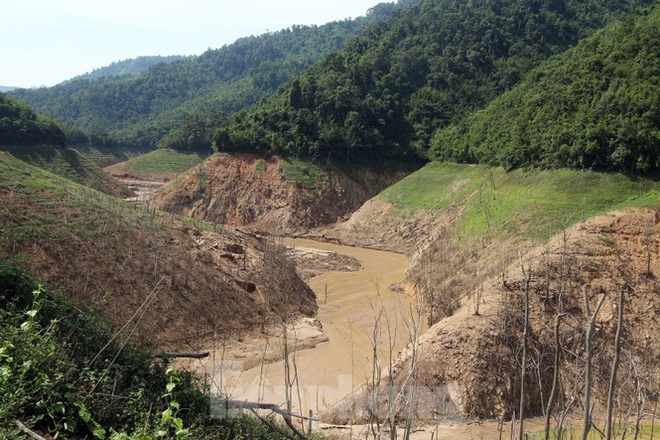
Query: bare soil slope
{"x": 468, "y": 363}
{"x": 246, "y": 190}
{"x": 136, "y": 265}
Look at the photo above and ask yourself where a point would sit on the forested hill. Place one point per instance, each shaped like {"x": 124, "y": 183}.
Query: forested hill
{"x": 140, "y": 109}
{"x": 130, "y": 67}
{"x": 399, "y": 82}
{"x": 20, "y": 125}
{"x": 596, "y": 106}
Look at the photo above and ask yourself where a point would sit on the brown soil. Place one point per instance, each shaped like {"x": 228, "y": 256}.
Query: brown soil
{"x": 115, "y": 258}
{"x": 468, "y": 363}
{"x": 349, "y": 303}
{"x": 248, "y": 191}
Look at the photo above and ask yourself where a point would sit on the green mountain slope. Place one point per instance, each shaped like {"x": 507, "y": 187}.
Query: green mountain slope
{"x": 41, "y": 142}
{"x": 129, "y": 67}
{"x": 70, "y": 164}
{"x": 20, "y": 125}
{"x": 141, "y": 109}
{"x": 596, "y": 106}
{"x": 429, "y": 66}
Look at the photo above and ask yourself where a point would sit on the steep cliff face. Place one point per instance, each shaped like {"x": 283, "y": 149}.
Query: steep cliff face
{"x": 249, "y": 191}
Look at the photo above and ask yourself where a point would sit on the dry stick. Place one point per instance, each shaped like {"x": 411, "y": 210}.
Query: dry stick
{"x": 527, "y": 275}
{"x": 655, "y": 408}
{"x": 391, "y": 402}
{"x": 144, "y": 308}
{"x": 28, "y": 431}
{"x": 296, "y": 376}
{"x": 591, "y": 320}
{"x": 555, "y": 377}
{"x": 413, "y": 331}
{"x": 144, "y": 304}
{"x": 615, "y": 366}
{"x": 374, "y": 423}
{"x": 272, "y": 426}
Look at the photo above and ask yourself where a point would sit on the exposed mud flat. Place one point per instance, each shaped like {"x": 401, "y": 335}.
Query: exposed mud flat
{"x": 350, "y": 303}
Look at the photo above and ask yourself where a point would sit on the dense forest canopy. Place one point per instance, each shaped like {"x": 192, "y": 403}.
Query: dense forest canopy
{"x": 428, "y": 67}
{"x": 130, "y": 67}
{"x": 140, "y": 109}
{"x": 20, "y": 125}
{"x": 595, "y": 106}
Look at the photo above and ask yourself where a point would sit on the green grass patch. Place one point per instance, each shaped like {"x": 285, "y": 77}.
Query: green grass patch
{"x": 261, "y": 165}
{"x": 66, "y": 162}
{"x": 164, "y": 161}
{"x": 104, "y": 156}
{"x": 527, "y": 204}
{"x": 303, "y": 173}
{"x": 46, "y": 206}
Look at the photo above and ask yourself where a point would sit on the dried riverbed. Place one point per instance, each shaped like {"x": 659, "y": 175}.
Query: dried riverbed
{"x": 351, "y": 305}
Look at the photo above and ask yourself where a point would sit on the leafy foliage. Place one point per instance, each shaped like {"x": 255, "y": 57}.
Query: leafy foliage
{"x": 141, "y": 109}
{"x": 596, "y": 106}
{"x": 403, "y": 79}
{"x": 130, "y": 67}
{"x": 20, "y": 125}
{"x": 60, "y": 372}
{"x": 64, "y": 373}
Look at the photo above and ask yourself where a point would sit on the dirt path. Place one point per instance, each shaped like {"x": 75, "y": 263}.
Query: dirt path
{"x": 334, "y": 368}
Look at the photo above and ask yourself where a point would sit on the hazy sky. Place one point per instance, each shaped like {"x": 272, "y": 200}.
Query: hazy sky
{"x": 45, "y": 42}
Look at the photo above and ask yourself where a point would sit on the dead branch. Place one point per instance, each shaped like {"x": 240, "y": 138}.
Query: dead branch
{"x": 28, "y": 431}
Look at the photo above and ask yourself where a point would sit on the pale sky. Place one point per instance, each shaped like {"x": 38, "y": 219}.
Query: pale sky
{"x": 45, "y": 42}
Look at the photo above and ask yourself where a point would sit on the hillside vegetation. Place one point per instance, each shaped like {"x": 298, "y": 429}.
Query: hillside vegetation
{"x": 401, "y": 80}
{"x": 596, "y": 106}
{"x": 68, "y": 374}
{"x": 71, "y": 164}
{"x": 120, "y": 259}
{"x": 21, "y": 125}
{"x": 158, "y": 165}
{"x": 463, "y": 224}
{"x": 140, "y": 109}
{"x": 41, "y": 142}
{"x": 467, "y": 228}
{"x": 129, "y": 67}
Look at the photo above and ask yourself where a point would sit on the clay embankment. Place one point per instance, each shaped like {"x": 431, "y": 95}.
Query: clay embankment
{"x": 246, "y": 190}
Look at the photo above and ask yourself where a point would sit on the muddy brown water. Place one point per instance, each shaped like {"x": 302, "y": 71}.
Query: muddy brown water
{"x": 349, "y": 315}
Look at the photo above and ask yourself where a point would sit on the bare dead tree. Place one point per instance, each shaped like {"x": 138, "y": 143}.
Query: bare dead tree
{"x": 391, "y": 398}
{"x": 413, "y": 333}
{"x": 615, "y": 365}
{"x": 376, "y": 375}
{"x": 648, "y": 238}
{"x": 591, "y": 321}
{"x": 527, "y": 276}
{"x": 555, "y": 377}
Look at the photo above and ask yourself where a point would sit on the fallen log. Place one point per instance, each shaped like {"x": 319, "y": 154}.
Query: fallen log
{"x": 182, "y": 355}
